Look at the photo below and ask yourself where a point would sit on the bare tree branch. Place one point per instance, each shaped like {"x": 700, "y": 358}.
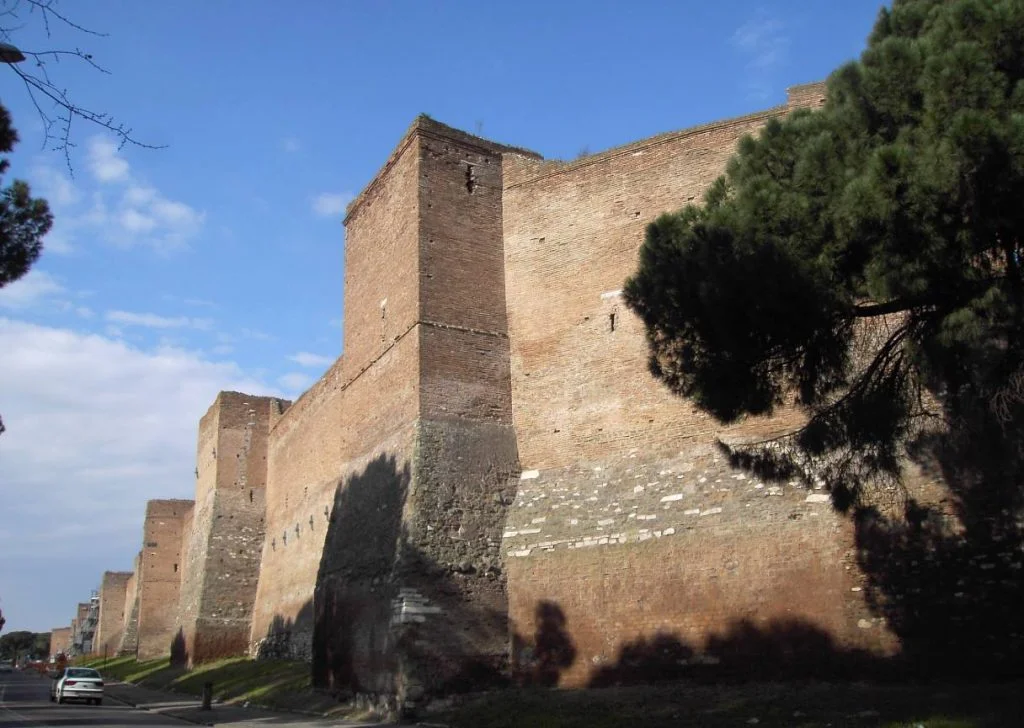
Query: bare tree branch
{"x": 54, "y": 104}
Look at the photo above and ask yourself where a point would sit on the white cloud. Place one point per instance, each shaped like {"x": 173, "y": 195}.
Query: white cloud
{"x": 306, "y": 359}
{"x": 764, "y": 42}
{"x": 295, "y": 382}
{"x": 117, "y": 207}
{"x": 331, "y": 204}
{"x": 55, "y": 186}
{"x": 290, "y": 144}
{"x": 31, "y": 290}
{"x": 105, "y": 161}
{"x": 155, "y": 321}
{"x": 95, "y": 427}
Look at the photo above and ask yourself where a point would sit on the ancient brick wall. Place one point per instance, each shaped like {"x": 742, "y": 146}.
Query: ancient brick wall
{"x": 365, "y": 404}
{"x": 405, "y": 442}
{"x": 60, "y": 641}
{"x": 110, "y": 627}
{"x": 130, "y": 630}
{"x": 159, "y": 577}
{"x": 622, "y": 487}
{"x": 224, "y": 533}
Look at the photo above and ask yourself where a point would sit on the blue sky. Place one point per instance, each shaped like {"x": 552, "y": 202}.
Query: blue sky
{"x": 217, "y": 262}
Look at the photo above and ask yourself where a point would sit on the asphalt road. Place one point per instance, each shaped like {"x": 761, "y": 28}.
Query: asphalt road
{"x": 25, "y": 703}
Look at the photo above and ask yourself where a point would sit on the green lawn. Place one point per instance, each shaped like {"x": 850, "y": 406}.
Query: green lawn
{"x": 271, "y": 683}
{"x": 792, "y": 705}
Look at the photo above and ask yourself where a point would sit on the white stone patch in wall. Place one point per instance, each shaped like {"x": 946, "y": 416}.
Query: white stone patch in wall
{"x": 606, "y": 522}
{"x": 864, "y": 623}
{"x": 665, "y": 472}
{"x": 758, "y": 486}
{"x": 775, "y": 490}
{"x": 668, "y": 531}
{"x": 611, "y": 294}
{"x": 574, "y": 521}
{"x": 692, "y": 512}
{"x": 645, "y": 536}
{"x": 711, "y": 511}
{"x": 411, "y": 606}
{"x": 702, "y": 479}
{"x": 522, "y": 552}
{"x": 510, "y": 534}
{"x": 529, "y": 474}
{"x": 638, "y": 489}
{"x": 649, "y": 517}
{"x": 602, "y": 541}
{"x": 817, "y": 498}
{"x": 539, "y": 520}
{"x": 673, "y": 497}
{"x": 528, "y": 531}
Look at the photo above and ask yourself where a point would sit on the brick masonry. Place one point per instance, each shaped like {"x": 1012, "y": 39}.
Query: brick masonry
{"x": 113, "y": 596}
{"x": 129, "y": 643}
{"x": 159, "y": 575}
{"x": 490, "y": 458}
{"x": 223, "y": 534}
{"x": 60, "y": 641}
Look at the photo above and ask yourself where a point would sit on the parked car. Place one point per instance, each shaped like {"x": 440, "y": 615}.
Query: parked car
{"x": 77, "y": 683}
{"x": 6, "y": 666}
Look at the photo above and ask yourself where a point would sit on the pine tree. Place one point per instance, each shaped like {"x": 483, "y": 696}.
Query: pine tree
{"x": 24, "y": 220}
{"x": 863, "y": 261}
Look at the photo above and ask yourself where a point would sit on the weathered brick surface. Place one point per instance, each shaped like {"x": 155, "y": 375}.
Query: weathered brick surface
{"x": 486, "y": 336}
{"x": 110, "y": 629}
{"x": 681, "y": 547}
{"x": 130, "y": 631}
{"x": 60, "y": 641}
{"x": 361, "y": 404}
{"x": 159, "y": 577}
{"x": 223, "y": 535}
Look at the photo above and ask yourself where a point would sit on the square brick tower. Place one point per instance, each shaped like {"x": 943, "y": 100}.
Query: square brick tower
{"x": 158, "y": 575}
{"x": 222, "y": 546}
{"x": 388, "y": 479}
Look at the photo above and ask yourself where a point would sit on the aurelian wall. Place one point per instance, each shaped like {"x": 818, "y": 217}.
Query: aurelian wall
{"x": 60, "y": 641}
{"x": 110, "y": 627}
{"x": 224, "y": 533}
{"x": 363, "y": 409}
{"x": 130, "y": 631}
{"x": 622, "y": 485}
{"x": 158, "y": 575}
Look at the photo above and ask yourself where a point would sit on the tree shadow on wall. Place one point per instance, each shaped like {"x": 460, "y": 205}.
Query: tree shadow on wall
{"x": 388, "y": 618}
{"x": 541, "y": 659}
{"x": 785, "y": 649}
{"x": 946, "y": 576}
{"x": 352, "y": 647}
{"x": 179, "y": 649}
{"x": 288, "y": 638}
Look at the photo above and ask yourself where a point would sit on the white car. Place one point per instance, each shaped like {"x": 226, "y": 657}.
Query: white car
{"x": 78, "y": 683}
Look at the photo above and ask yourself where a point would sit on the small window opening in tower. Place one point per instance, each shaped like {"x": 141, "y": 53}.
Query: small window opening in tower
{"x": 470, "y": 179}
{"x": 175, "y": 568}
{"x": 250, "y": 496}
{"x": 611, "y": 321}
